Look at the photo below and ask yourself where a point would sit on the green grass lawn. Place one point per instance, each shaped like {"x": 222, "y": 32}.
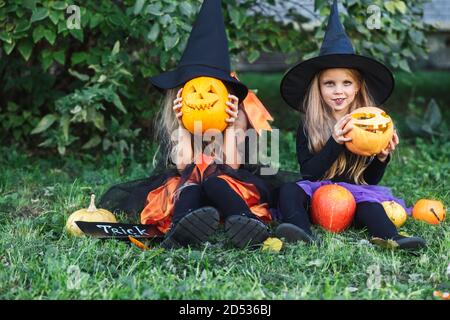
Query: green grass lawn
{"x": 39, "y": 261}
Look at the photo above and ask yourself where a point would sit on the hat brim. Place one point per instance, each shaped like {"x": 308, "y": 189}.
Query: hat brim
{"x": 182, "y": 74}
{"x": 296, "y": 81}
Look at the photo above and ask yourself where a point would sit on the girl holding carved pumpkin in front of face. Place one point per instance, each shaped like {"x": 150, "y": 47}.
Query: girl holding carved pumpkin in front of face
{"x": 340, "y": 82}
{"x": 192, "y": 194}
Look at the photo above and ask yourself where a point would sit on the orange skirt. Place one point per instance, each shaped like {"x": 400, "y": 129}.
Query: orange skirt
{"x": 160, "y": 201}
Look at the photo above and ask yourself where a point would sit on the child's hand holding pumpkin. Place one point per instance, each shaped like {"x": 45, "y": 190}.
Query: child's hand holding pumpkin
{"x": 382, "y": 156}
{"x": 339, "y": 130}
{"x": 232, "y": 110}
{"x": 177, "y": 103}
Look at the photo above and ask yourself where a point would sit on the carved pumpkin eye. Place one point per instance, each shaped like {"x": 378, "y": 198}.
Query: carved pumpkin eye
{"x": 191, "y": 89}
{"x": 363, "y": 116}
{"x": 211, "y": 89}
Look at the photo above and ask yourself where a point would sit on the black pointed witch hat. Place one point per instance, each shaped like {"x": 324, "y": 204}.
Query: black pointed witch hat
{"x": 206, "y": 53}
{"x": 336, "y": 52}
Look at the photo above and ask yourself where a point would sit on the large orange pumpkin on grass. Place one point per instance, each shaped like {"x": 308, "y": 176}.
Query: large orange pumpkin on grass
{"x": 204, "y": 100}
{"x": 371, "y": 133}
{"x": 332, "y": 207}
{"x": 431, "y": 211}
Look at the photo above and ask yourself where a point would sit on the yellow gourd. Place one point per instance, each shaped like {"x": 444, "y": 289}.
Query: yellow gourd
{"x": 395, "y": 212}
{"x": 91, "y": 214}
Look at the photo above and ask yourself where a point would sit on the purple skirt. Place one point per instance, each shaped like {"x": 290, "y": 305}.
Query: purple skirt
{"x": 361, "y": 193}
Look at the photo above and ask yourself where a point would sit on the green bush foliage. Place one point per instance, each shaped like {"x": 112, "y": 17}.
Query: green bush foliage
{"x": 75, "y": 89}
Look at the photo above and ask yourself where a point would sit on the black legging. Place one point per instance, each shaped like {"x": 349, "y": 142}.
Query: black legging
{"x": 294, "y": 203}
{"x": 214, "y": 192}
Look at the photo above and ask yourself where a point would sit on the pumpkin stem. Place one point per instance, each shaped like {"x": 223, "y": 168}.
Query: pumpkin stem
{"x": 92, "y": 207}
{"x": 435, "y": 214}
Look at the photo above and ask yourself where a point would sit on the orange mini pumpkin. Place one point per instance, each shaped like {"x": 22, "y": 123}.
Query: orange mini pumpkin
{"x": 204, "y": 100}
{"x": 333, "y": 207}
{"x": 431, "y": 211}
{"x": 371, "y": 133}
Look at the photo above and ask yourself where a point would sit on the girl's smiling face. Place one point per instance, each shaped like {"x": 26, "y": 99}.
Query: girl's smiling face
{"x": 338, "y": 89}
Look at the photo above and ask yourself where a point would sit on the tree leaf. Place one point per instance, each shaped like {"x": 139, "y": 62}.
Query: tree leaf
{"x": 403, "y": 64}
{"x": 39, "y": 14}
{"x": 59, "y": 56}
{"x": 59, "y": 5}
{"x": 154, "y": 32}
{"x": 401, "y": 6}
{"x": 433, "y": 114}
{"x": 253, "y": 56}
{"x": 22, "y": 26}
{"x": 6, "y": 37}
{"x": 116, "y": 48}
{"x": 78, "y": 57}
{"x": 61, "y": 150}
{"x": 38, "y": 33}
{"x": 64, "y": 123}
{"x": 50, "y": 35}
{"x": 154, "y": 9}
{"x": 390, "y": 6}
{"x": 93, "y": 142}
{"x": 414, "y": 124}
{"x": 25, "y": 48}
{"x": 45, "y": 123}
{"x": 186, "y": 9}
{"x": 82, "y": 77}
{"x": 9, "y": 47}
{"x": 138, "y": 6}
{"x": 170, "y": 41}
{"x": 115, "y": 99}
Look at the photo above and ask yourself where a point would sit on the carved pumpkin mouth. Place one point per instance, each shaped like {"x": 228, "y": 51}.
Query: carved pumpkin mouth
{"x": 380, "y": 128}
{"x": 203, "y": 105}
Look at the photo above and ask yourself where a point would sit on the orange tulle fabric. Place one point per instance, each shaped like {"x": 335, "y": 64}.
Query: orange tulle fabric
{"x": 256, "y": 112}
{"x": 160, "y": 201}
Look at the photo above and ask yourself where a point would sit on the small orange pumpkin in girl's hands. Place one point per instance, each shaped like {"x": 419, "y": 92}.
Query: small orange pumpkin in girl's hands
{"x": 431, "y": 211}
{"x": 371, "y": 133}
{"x": 204, "y": 100}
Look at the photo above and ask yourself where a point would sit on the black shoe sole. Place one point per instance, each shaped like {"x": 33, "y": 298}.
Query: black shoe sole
{"x": 291, "y": 233}
{"x": 244, "y": 231}
{"x": 411, "y": 243}
{"x": 193, "y": 229}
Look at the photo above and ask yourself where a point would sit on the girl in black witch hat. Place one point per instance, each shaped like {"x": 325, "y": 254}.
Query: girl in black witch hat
{"x": 327, "y": 88}
{"x": 189, "y": 198}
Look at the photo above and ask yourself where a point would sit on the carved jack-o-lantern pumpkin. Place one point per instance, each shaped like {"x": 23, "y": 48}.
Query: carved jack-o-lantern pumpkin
{"x": 204, "y": 100}
{"x": 371, "y": 133}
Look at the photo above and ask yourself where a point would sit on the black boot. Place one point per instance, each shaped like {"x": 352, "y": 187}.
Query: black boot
{"x": 245, "y": 231}
{"x": 193, "y": 229}
{"x": 291, "y": 233}
{"x": 401, "y": 242}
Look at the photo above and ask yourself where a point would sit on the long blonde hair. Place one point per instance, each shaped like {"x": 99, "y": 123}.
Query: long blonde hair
{"x": 165, "y": 123}
{"x": 319, "y": 123}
